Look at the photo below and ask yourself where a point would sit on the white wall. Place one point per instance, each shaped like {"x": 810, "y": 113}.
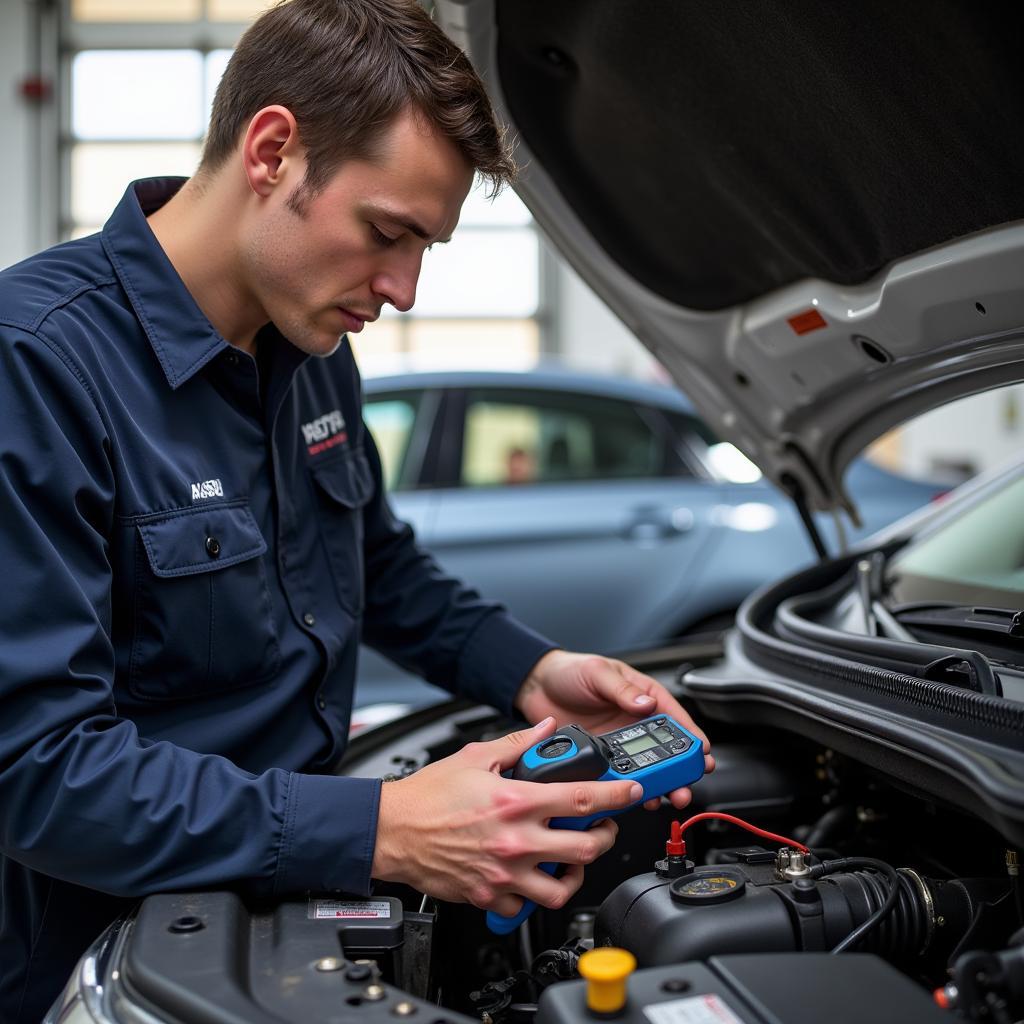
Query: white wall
{"x": 981, "y": 431}
{"x": 588, "y": 336}
{"x": 17, "y": 211}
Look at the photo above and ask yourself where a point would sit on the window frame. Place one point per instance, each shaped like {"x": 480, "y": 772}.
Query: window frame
{"x": 427, "y": 404}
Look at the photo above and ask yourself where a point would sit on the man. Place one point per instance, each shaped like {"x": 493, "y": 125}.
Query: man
{"x": 195, "y": 536}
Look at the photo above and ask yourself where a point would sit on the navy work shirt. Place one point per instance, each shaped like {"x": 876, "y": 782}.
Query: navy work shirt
{"x": 190, "y": 557}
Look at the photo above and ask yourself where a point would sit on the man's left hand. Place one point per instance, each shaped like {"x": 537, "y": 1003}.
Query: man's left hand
{"x": 601, "y": 694}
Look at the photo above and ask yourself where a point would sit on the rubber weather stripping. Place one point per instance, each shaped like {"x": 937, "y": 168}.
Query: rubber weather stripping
{"x": 912, "y": 659}
{"x": 770, "y": 652}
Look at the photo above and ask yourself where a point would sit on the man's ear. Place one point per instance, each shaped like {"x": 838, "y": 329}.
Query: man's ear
{"x": 270, "y": 149}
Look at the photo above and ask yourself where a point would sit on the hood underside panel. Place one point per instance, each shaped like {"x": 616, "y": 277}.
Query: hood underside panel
{"x": 721, "y": 149}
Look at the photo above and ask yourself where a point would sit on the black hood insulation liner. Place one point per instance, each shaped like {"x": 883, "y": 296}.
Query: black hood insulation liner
{"x": 718, "y": 150}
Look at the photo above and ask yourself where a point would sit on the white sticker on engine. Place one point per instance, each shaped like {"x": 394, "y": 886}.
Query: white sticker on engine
{"x": 708, "y": 1009}
{"x": 324, "y": 909}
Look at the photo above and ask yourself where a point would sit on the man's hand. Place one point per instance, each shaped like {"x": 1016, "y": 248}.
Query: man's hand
{"x": 601, "y": 694}
{"x": 459, "y": 831}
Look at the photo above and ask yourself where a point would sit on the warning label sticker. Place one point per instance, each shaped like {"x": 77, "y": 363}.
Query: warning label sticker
{"x": 323, "y": 909}
{"x": 707, "y": 1009}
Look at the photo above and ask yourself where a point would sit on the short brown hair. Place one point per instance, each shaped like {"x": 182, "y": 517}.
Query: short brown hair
{"x": 346, "y": 69}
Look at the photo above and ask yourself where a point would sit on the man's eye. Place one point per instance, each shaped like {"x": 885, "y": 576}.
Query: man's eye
{"x": 380, "y": 238}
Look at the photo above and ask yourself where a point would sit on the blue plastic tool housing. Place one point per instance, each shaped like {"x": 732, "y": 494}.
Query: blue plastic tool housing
{"x": 657, "y": 752}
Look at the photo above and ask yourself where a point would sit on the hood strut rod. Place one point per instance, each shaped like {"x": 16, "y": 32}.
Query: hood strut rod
{"x": 792, "y": 487}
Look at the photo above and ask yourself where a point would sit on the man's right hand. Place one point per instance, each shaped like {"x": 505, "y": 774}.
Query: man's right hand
{"x": 460, "y": 832}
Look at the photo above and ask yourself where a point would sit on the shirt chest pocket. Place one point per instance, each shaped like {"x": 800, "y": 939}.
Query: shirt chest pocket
{"x": 203, "y": 622}
{"x": 344, "y": 485}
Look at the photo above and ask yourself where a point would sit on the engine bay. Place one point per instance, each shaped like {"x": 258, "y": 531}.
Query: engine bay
{"x": 846, "y": 896}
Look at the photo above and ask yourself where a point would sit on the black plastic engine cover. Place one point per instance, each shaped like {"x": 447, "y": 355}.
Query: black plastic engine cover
{"x": 208, "y": 958}
{"x": 766, "y": 988}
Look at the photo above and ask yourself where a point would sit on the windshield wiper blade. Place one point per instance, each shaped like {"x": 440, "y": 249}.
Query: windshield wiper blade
{"x": 963, "y": 618}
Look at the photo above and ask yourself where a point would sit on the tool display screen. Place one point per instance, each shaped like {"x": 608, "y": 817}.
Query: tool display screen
{"x": 640, "y": 743}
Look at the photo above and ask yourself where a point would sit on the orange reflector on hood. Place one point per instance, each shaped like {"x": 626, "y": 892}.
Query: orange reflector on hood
{"x": 807, "y": 321}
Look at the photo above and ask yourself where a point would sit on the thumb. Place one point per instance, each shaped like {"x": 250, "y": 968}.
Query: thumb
{"x": 507, "y": 750}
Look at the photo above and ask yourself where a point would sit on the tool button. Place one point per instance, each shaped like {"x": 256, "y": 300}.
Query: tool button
{"x": 606, "y": 971}
{"x": 624, "y": 765}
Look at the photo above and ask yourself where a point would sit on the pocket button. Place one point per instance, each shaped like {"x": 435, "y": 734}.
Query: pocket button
{"x": 212, "y": 547}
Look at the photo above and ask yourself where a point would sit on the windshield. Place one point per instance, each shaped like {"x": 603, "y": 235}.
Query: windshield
{"x": 976, "y": 559}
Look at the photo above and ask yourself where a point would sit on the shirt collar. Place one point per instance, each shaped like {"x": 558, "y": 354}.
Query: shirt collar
{"x": 182, "y": 337}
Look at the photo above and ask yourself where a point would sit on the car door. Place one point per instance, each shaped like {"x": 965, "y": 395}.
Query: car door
{"x": 573, "y": 509}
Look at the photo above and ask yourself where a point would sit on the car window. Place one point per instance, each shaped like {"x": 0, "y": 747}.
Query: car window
{"x": 390, "y": 420}
{"x": 976, "y": 558}
{"x": 520, "y": 437}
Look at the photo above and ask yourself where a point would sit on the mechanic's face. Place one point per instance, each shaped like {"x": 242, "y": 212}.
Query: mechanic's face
{"x": 358, "y": 243}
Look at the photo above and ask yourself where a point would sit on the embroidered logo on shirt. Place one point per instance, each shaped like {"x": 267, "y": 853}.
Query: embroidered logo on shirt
{"x": 324, "y": 432}
{"x": 207, "y": 489}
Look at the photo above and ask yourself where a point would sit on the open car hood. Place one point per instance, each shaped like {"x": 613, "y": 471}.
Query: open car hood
{"x": 811, "y": 214}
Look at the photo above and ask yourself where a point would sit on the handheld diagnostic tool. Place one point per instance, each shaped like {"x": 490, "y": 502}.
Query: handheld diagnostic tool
{"x": 656, "y": 752}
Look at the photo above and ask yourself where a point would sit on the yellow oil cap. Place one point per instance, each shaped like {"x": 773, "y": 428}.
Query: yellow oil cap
{"x": 606, "y": 970}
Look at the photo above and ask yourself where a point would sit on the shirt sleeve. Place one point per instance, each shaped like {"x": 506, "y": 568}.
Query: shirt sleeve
{"x": 433, "y": 624}
{"x": 84, "y": 797}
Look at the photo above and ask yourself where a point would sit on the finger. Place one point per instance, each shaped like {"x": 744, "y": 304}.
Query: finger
{"x": 507, "y": 904}
{"x": 622, "y": 686}
{"x": 503, "y": 753}
{"x": 680, "y": 798}
{"x": 639, "y": 694}
{"x": 547, "y": 891}
{"x": 653, "y": 804}
{"x": 582, "y": 799}
{"x": 665, "y": 703}
{"x": 566, "y": 846}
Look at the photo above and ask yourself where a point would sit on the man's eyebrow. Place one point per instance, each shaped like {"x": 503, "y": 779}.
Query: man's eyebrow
{"x": 407, "y": 223}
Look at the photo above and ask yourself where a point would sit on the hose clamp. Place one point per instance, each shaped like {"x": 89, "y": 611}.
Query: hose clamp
{"x": 929, "y": 904}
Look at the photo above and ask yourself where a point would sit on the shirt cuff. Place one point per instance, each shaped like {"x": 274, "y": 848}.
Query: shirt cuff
{"x": 497, "y": 658}
{"x": 330, "y": 830}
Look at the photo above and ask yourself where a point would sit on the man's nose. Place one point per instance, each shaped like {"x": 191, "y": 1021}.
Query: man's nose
{"x": 397, "y": 285}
